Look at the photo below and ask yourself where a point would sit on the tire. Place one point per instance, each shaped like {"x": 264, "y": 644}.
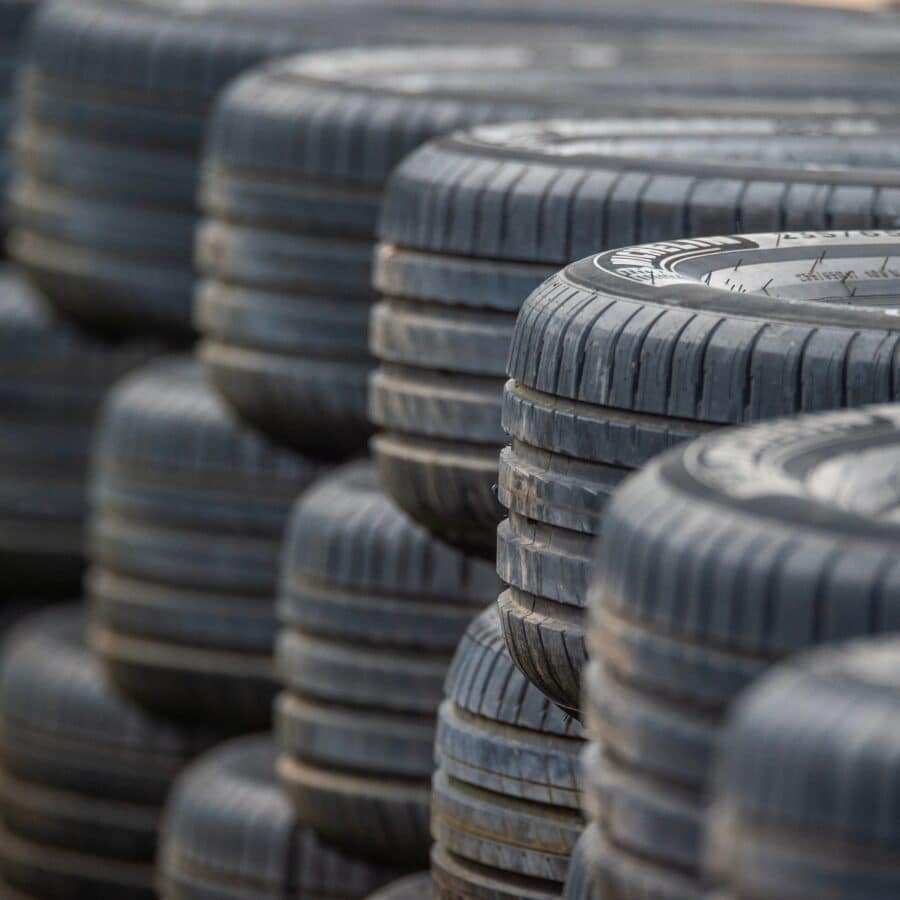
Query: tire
{"x": 506, "y": 793}
{"x": 188, "y": 508}
{"x": 129, "y": 87}
{"x": 294, "y": 171}
{"x": 775, "y": 538}
{"x": 229, "y": 832}
{"x": 581, "y": 881}
{"x": 83, "y": 772}
{"x": 823, "y": 722}
{"x": 474, "y": 222}
{"x": 372, "y": 607}
{"x": 53, "y": 380}
{"x": 606, "y": 371}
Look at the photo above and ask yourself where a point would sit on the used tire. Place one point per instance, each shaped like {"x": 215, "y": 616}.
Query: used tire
{"x": 796, "y": 779}
{"x": 372, "y": 606}
{"x": 412, "y": 887}
{"x": 52, "y": 380}
{"x": 188, "y": 508}
{"x": 229, "y": 833}
{"x": 474, "y": 222}
{"x": 581, "y": 881}
{"x": 715, "y": 562}
{"x": 83, "y": 771}
{"x": 631, "y": 351}
{"x": 506, "y": 806}
{"x": 113, "y": 110}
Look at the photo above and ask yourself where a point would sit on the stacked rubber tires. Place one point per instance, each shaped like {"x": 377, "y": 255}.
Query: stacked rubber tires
{"x": 715, "y": 562}
{"x": 472, "y": 223}
{"x": 297, "y": 159}
{"x": 83, "y": 773}
{"x": 52, "y": 380}
{"x": 112, "y": 117}
{"x": 506, "y": 812}
{"x": 229, "y": 832}
{"x": 188, "y": 508}
{"x": 824, "y": 725}
{"x": 373, "y": 607}
{"x": 629, "y": 352}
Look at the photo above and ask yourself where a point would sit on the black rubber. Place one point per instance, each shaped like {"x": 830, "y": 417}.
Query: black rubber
{"x": 229, "y": 832}
{"x": 412, "y": 887}
{"x": 629, "y": 352}
{"x": 52, "y": 380}
{"x": 373, "y": 607}
{"x": 581, "y": 881}
{"x": 14, "y": 17}
{"x": 715, "y": 562}
{"x": 473, "y": 222}
{"x": 83, "y": 772}
{"x": 296, "y": 162}
{"x": 506, "y": 793}
{"x": 128, "y": 87}
{"x": 807, "y": 788}
{"x": 188, "y": 508}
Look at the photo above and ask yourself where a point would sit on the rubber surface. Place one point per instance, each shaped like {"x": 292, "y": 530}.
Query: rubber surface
{"x": 475, "y": 221}
{"x": 826, "y": 723}
{"x": 229, "y": 832}
{"x": 53, "y": 380}
{"x": 83, "y": 772}
{"x": 506, "y": 793}
{"x": 372, "y": 607}
{"x": 778, "y": 538}
{"x": 412, "y": 887}
{"x": 629, "y": 352}
{"x": 188, "y": 508}
{"x": 128, "y": 87}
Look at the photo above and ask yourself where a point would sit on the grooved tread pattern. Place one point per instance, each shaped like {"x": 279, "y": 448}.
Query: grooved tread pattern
{"x": 188, "y": 509}
{"x": 228, "y": 827}
{"x": 83, "y": 771}
{"x": 506, "y": 794}
{"x": 372, "y": 606}
{"x": 715, "y": 562}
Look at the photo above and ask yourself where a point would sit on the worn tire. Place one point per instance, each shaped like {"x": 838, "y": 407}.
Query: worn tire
{"x": 229, "y": 832}
{"x": 781, "y": 544}
{"x": 412, "y": 887}
{"x": 506, "y": 792}
{"x": 52, "y": 381}
{"x": 83, "y": 772}
{"x": 818, "y": 727}
{"x": 581, "y": 883}
{"x": 128, "y": 87}
{"x": 628, "y": 352}
{"x": 188, "y": 508}
{"x": 372, "y": 607}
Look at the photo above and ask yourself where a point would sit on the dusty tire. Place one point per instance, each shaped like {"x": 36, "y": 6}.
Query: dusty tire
{"x": 372, "y": 607}
{"x": 52, "y": 381}
{"x": 83, "y": 772}
{"x": 506, "y": 792}
{"x": 123, "y": 93}
{"x": 229, "y": 832}
{"x": 819, "y": 725}
{"x": 630, "y": 352}
{"x": 188, "y": 507}
{"x": 780, "y": 545}
{"x": 412, "y": 887}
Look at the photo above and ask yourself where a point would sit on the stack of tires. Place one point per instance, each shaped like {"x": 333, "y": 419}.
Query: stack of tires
{"x": 506, "y": 792}
{"x": 629, "y": 352}
{"x": 112, "y": 118}
{"x": 373, "y": 607}
{"x": 822, "y": 724}
{"x": 718, "y": 560}
{"x": 83, "y": 772}
{"x": 187, "y": 513}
